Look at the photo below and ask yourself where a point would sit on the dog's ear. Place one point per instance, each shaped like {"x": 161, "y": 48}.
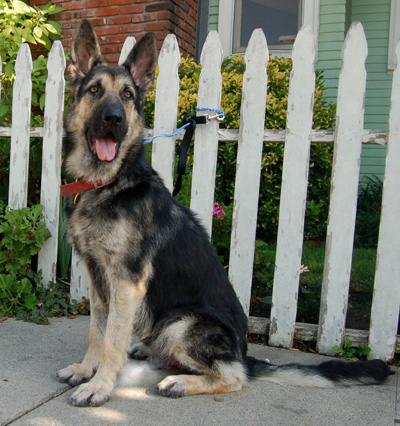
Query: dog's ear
{"x": 85, "y": 51}
{"x": 142, "y": 62}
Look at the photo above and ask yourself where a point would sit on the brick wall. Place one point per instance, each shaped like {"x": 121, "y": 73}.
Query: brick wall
{"x": 115, "y": 20}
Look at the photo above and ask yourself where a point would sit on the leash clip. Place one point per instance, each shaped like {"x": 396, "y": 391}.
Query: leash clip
{"x": 219, "y": 117}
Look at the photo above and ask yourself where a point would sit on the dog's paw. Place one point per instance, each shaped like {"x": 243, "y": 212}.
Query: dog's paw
{"x": 89, "y": 395}
{"x": 138, "y": 351}
{"x": 172, "y": 386}
{"x": 74, "y": 375}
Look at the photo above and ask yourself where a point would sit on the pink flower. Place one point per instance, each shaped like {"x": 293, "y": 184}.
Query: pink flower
{"x": 218, "y": 211}
{"x": 39, "y": 305}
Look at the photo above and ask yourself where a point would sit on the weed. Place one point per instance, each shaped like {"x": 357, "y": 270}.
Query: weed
{"x": 53, "y": 301}
{"x": 351, "y": 352}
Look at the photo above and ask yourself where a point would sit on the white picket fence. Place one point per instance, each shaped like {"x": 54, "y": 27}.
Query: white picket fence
{"x": 347, "y": 140}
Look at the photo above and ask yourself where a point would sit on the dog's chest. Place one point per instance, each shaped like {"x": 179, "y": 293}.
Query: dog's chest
{"x": 97, "y": 230}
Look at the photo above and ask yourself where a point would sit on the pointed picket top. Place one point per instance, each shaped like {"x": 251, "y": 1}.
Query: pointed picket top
{"x": 386, "y": 297}
{"x": 51, "y": 158}
{"x": 344, "y": 190}
{"x": 20, "y": 132}
{"x": 294, "y": 190}
{"x": 56, "y": 60}
{"x": 23, "y": 64}
{"x": 126, "y": 49}
{"x": 206, "y": 137}
{"x": 355, "y": 43}
{"x": 248, "y": 167}
{"x": 257, "y": 53}
{"x": 166, "y": 109}
{"x": 211, "y": 49}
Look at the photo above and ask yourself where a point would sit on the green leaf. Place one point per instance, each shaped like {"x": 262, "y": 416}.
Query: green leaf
{"x": 51, "y": 28}
{"x": 22, "y": 8}
{"x": 37, "y": 31}
{"x": 41, "y": 101}
{"x": 9, "y": 70}
{"x": 4, "y": 109}
{"x": 56, "y": 10}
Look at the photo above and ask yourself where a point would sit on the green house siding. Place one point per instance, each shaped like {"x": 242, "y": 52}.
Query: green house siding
{"x": 331, "y": 36}
{"x": 213, "y": 16}
{"x": 334, "y": 22}
{"x": 375, "y": 19}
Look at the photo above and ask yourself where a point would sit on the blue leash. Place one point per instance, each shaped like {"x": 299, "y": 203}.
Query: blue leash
{"x": 220, "y": 115}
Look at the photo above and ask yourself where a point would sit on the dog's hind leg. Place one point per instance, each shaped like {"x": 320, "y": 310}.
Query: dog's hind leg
{"x": 125, "y": 297}
{"x": 223, "y": 378}
{"x": 138, "y": 351}
{"x": 207, "y": 348}
{"x": 78, "y": 373}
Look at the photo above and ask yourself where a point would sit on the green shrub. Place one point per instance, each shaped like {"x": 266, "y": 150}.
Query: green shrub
{"x": 368, "y": 212}
{"x": 22, "y": 233}
{"x": 276, "y": 105}
{"x": 21, "y": 23}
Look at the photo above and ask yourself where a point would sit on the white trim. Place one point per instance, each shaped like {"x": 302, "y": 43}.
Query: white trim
{"x": 226, "y": 18}
{"x": 225, "y": 25}
{"x": 394, "y": 33}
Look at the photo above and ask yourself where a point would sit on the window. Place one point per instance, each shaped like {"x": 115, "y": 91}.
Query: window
{"x": 280, "y": 21}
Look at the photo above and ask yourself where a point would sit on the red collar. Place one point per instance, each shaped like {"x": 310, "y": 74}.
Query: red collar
{"x": 80, "y": 186}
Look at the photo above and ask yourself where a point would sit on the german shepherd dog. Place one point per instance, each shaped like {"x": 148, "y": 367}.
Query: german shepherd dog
{"x": 151, "y": 268}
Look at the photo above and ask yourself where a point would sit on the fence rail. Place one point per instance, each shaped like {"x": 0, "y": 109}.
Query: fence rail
{"x": 297, "y": 137}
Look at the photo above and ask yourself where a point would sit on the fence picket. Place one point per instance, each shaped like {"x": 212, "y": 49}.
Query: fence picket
{"x": 294, "y": 191}
{"x": 51, "y": 159}
{"x": 386, "y": 298}
{"x": 166, "y": 110}
{"x": 248, "y": 168}
{"x": 206, "y": 136}
{"x": 20, "y": 132}
{"x": 79, "y": 280}
{"x": 126, "y": 49}
{"x": 344, "y": 189}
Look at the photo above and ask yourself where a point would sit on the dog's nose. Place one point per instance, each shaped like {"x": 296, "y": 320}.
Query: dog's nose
{"x": 112, "y": 116}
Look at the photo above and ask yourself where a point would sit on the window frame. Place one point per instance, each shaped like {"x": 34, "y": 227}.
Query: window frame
{"x": 226, "y": 24}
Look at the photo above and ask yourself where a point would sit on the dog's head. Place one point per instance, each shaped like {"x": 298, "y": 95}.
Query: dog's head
{"x": 105, "y": 121}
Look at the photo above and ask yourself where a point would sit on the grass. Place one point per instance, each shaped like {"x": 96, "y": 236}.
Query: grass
{"x": 362, "y": 271}
{"x": 361, "y": 281}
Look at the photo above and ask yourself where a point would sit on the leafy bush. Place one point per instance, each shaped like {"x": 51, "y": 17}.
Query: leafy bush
{"x": 52, "y": 302}
{"x": 21, "y": 23}
{"x": 368, "y": 212}
{"x": 15, "y": 295}
{"x": 276, "y": 105}
{"x": 22, "y": 234}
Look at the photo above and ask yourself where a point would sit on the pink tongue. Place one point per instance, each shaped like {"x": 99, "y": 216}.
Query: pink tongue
{"x": 106, "y": 148}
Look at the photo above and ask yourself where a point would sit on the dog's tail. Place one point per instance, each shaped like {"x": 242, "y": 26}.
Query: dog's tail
{"x": 328, "y": 374}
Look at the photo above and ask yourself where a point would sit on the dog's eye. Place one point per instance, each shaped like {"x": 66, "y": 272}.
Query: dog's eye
{"x": 94, "y": 89}
{"x": 128, "y": 94}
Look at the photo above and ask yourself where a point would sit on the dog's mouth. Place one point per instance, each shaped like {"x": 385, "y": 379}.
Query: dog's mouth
{"x": 104, "y": 147}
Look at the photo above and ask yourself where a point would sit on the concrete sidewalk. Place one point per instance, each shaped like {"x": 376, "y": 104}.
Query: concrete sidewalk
{"x": 30, "y": 355}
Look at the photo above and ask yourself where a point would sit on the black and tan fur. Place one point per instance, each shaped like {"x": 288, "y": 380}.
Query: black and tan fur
{"x": 152, "y": 270}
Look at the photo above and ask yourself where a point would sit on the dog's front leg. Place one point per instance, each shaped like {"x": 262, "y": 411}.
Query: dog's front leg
{"x": 78, "y": 373}
{"x": 125, "y": 297}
